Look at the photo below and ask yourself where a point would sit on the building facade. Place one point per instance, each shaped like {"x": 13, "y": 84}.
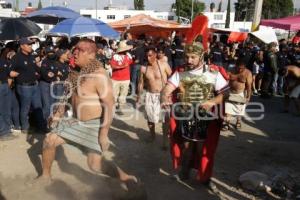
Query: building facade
{"x": 110, "y": 14}
{"x": 7, "y": 11}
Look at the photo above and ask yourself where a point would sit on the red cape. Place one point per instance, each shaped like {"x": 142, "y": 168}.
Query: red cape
{"x": 204, "y": 163}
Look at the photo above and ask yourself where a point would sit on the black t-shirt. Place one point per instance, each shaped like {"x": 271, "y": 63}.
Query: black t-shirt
{"x": 295, "y": 58}
{"x": 64, "y": 69}
{"x": 217, "y": 55}
{"x": 4, "y": 70}
{"x": 179, "y": 52}
{"x": 26, "y": 66}
{"x": 49, "y": 65}
{"x": 139, "y": 54}
{"x": 283, "y": 59}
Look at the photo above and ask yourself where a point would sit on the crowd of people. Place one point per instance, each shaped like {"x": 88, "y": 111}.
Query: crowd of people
{"x": 77, "y": 84}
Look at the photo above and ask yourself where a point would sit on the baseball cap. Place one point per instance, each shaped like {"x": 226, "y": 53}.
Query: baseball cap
{"x": 25, "y": 41}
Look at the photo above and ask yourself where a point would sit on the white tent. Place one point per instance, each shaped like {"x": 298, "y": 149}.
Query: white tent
{"x": 267, "y": 35}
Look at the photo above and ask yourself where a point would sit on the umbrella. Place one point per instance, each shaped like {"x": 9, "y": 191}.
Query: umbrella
{"x": 52, "y": 15}
{"x": 16, "y": 28}
{"x": 83, "y": 26}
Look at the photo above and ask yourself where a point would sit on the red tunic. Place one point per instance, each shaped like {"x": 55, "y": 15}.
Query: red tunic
{"x": 204, "y": 163}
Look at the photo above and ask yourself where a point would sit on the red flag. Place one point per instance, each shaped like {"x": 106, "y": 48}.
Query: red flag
{"x": 199, "y": 27}
{"x": 237, "y": 37}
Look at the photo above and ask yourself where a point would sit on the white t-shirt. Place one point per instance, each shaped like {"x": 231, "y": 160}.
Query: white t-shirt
{"x": 215, "y": 78}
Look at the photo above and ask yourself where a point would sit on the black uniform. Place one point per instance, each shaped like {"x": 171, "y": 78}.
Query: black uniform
{"x": 64, "y": 69}
{"x": 48, "y": 65}
{"x": 4, "y": 71}
{"x": 26, "y": 66}
{"x": 5, "y": 101}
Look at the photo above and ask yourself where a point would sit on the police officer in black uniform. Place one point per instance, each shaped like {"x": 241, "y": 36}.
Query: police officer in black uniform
{"x": 26, "y": 72}
{"x": 5, "y": 96}
{"x": 63, "y": 69}
{"x": 283, "y": 60}
{"x": 295, "y": 55}
{"x": 48, "y": 77}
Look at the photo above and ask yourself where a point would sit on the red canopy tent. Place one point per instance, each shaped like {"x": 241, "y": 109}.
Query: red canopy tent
{"x": 291, "y": 23}
{"x": 144, "y": 24}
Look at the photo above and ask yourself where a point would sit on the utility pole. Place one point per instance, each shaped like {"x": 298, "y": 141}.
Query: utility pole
{"x": 17, "y": 5}
{"x": 257, "y": 15}
{"x": 192, "y": 13}
{"x": 96, "y": 9}
{"x": 51, "y": 3}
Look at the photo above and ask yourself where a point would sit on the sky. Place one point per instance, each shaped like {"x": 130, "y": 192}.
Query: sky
{"x": 160, "y": 5}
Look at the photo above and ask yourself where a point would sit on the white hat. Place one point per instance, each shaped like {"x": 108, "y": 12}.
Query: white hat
{"x": 123, "y": 46}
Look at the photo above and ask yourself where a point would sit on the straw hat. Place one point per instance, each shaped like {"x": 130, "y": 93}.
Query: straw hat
{"x": 123, "y": 46}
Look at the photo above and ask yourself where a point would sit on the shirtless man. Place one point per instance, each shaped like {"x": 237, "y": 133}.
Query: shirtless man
{"x": 291, "y": 87}
{"x": 240, "y": 82}
{"x": 161, "y": 54}
{"x": 155, "y": 75}
{"x": 92, "y": 105}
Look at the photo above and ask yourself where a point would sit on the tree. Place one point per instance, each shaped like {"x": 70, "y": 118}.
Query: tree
{"x": 17, "y": 5}
{"x": 227, "y": 22}
{"x": 40, "y": 6}
{"x": 220, "y": 6}
{"x": 139, "y": 4}
{"x": 276, "y": 9}
{"x": 244, "y": 9}
{"x": 183, "y": 8}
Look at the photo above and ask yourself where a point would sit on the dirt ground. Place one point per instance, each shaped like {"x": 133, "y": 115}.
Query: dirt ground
{"x": 267, "y": 145}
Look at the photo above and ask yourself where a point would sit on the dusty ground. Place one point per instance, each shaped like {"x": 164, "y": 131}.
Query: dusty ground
{"x": 267, "y": 145}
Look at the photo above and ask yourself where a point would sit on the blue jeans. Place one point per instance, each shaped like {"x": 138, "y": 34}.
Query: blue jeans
{"x": 134, "y": 75}
{"x": 30, "y": 96}
{"x": 274, "y": 83}
{"x": 15, "y": 110}
{"x": 58, "y": 90}
{"x": 280, "y": 84}
{"x": 47, "y": 99}
{"x": 5, "y": 113}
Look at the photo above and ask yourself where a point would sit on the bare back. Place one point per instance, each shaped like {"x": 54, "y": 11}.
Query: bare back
{"x": 156, "y": 76}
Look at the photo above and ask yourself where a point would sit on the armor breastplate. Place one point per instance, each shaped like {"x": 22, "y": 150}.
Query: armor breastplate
{"x": 194, "y": 89}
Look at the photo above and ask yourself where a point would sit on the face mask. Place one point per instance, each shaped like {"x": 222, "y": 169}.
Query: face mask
{"x": 35, "y": 46}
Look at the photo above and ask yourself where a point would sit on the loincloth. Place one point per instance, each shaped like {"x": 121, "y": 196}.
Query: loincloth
{"x": 153, "y": 109}
{"x": 82, "y": 133}
{"x": 235, "y": 108}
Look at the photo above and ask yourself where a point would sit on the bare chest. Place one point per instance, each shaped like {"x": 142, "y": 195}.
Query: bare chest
{"x": 154, "y": 74}
{"x": 86, "y": 91}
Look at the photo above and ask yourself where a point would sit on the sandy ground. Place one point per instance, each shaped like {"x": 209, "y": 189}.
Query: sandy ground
{"x": 267, "y": 145}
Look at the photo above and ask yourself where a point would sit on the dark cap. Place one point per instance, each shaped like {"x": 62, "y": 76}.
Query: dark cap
{"x": 60, "y": 52}
{"x": 25, "y": 41}
{"x": 49, "y": 49}
{"x": 100, "y": 46}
